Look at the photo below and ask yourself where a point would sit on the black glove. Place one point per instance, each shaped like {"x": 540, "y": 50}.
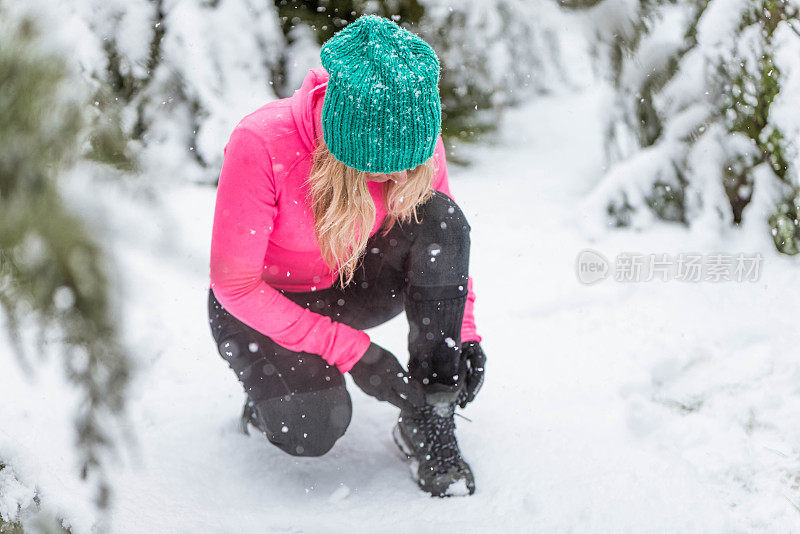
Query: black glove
{"x": 472, "y": 355}
{"x": 380, "y": 375}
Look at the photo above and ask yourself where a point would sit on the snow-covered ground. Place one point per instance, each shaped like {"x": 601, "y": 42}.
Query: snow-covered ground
{"x": 616, "y": 407}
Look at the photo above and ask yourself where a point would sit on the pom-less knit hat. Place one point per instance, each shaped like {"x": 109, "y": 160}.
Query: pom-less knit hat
{"x": 381, "y": 112}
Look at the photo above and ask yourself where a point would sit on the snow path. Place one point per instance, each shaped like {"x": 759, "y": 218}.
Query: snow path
{"x": 576, "y": 429}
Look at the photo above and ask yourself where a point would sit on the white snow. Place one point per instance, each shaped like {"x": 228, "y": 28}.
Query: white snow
{"x": 14, "y": 496}
{"x": 615, "y": 407}
{"x": 458, "y": 489}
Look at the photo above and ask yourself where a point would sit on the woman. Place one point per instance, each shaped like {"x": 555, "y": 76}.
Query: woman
{"x": 333, "y": 215}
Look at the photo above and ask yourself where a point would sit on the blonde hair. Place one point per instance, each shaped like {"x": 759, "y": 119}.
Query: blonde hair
{"x": 344, "y": 212}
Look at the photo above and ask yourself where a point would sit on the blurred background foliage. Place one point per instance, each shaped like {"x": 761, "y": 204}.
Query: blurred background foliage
{"x": 177, "y": 63}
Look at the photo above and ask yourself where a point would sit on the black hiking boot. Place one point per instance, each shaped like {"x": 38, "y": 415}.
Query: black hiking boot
{"x": 427, "y": 437}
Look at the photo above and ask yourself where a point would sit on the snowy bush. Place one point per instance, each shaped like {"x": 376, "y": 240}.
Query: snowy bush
{"x": 703, "y": 129}
{"x": 170, "y": 78}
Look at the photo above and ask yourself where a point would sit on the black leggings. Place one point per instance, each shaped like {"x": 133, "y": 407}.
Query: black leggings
{"x": 300, "y": 402}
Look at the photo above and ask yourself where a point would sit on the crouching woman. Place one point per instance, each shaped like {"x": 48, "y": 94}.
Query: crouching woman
{"x": 333, "y": 215}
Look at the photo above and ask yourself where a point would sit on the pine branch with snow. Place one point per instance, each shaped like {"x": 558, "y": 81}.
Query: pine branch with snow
{"x": 699, "y": 132}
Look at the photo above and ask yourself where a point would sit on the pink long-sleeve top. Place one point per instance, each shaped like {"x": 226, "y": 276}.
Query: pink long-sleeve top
{"x": 263, "y": 235}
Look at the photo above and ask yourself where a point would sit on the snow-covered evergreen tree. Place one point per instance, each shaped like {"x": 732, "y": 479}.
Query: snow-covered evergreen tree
{"x": 53, "y": 274}
{"x": 172, "y": 77}
{"x": 702, "y": 129}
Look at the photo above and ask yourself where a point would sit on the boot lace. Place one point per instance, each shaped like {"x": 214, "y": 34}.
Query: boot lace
{"x": 437, "y": 424}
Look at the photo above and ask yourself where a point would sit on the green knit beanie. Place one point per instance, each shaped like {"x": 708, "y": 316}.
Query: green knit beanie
{"x": 381, "y": 112}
